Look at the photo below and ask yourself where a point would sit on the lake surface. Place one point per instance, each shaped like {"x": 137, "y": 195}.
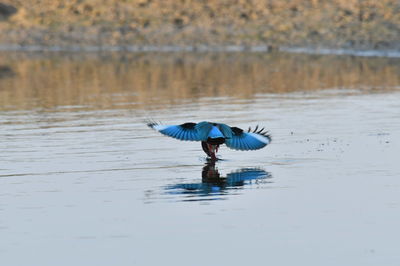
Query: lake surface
{"x": 83, "y": 180}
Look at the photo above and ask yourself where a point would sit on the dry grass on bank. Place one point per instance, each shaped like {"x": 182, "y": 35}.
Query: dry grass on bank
{"x": 336, "y": 23}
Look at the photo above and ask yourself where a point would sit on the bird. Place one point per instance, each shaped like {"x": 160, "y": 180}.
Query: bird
{"x": 213, "y": 184}
{"x": 212, "y": 135}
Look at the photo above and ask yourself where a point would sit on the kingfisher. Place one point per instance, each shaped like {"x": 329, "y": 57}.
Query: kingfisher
{"x": 212, "y": 135}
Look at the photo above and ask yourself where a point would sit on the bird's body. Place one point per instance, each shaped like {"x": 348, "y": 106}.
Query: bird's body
{"x": 212, "y": 135}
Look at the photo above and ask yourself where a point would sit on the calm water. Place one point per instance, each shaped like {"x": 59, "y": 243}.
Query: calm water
{"x": 83, "y": 181}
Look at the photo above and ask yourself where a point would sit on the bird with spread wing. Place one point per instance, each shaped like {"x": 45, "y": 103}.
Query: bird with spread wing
{"x": 212, "y": 135}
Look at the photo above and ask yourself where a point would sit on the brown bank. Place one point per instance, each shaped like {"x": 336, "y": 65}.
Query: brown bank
{"x": 356, "y": 24}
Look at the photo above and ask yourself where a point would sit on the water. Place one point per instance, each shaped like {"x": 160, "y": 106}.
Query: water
{"x": 83, "y": 181}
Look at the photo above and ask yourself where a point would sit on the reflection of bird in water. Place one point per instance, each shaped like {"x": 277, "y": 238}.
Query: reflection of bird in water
{"x": 213, "y": 184}
{"x": 212, "y": 135}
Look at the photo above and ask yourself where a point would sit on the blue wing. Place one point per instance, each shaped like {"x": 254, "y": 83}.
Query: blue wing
{"x": 246, "y": 175}
{"x": 226, "y": 130}
{"x": 244, "y": 141}
{"x": 203, "y": 128}
{"x": 185, "y": 131}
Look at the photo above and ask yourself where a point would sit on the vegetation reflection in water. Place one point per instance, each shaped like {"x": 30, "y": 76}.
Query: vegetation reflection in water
{"x": 213, "y": 186}
{"x": 155, "y": 80}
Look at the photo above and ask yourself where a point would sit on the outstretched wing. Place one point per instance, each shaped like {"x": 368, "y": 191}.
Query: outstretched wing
{"x": 251, "y": 140}
{"x": 185, "y": 131}
{"x": 246, "y": 174}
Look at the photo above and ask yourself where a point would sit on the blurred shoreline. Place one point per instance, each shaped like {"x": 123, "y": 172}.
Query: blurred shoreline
{"x": 202, "y": 49}
{"x": 353, "y": 27}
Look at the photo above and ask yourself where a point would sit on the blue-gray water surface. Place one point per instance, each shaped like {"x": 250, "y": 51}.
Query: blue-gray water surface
{"x": 83, "y": 180}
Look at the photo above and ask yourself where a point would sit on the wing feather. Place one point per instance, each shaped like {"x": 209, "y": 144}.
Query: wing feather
{"x": 185, "y": 131}
{"x": 251, "y": 140}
